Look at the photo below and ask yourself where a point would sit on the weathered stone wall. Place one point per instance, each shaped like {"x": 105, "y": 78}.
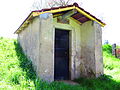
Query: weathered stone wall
{"x": 36, "y": 41}
{"x": 29, "y": 41}
{"x": 75, "y": 49}
{"x": 87, "y": 65}
{"x": 91, "y": 58}
{"x": 98, "y": 50}
{"x": 46, "y": 69}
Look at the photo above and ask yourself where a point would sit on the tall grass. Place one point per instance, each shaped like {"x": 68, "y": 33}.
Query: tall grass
{"x": 111, "y": 64}
{"x": 111, "y": 78}
{"x": 16, "y": 72}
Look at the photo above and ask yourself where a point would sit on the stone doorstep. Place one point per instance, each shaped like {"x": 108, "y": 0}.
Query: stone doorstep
{"x": 69, "y": 82}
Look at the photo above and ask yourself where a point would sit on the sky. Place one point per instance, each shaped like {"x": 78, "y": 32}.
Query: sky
{"x": 13, "y": 13}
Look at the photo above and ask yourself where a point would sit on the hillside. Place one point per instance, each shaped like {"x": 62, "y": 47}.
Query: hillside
{"x": 16, "y": 72}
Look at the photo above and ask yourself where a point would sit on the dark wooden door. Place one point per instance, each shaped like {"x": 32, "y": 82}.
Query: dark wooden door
{"x": 61, "y": 65}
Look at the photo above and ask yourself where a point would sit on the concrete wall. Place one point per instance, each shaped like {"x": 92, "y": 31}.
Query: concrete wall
{"x": 46, "y": 70}
{"x": 36, "y": 41}
{"x": 91, "y": 52}
{"x": 98, "y": 50}
{"x": 29, "y": 41}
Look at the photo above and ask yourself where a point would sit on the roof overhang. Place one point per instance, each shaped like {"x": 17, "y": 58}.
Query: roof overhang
{"x": 80, "y": 16}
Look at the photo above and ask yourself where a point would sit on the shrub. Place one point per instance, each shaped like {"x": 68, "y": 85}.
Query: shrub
{"x": 107, "y": 48}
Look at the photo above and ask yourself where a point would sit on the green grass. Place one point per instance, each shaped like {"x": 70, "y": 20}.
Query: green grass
{"x": 16, "y": 72}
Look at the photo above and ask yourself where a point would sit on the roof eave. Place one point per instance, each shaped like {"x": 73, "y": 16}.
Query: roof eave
{"x": 37, "y": 13}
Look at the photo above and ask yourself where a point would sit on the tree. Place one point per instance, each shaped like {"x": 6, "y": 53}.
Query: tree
{"x": 59, "y": 2}
{"x": 37, "y": 5}
{"x": 40, "y": 4}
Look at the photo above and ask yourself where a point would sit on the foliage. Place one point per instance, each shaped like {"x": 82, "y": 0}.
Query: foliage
{"x": 117, "y": 46}
{"x": 17, "y": 73}
{"x": 107, "y": 48}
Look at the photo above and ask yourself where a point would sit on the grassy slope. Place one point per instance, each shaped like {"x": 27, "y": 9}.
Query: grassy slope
{"x": 111, "y": 64}
{"x": 16, "y": 72}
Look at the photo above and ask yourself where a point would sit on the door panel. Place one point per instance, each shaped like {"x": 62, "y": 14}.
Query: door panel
{"x": 61, "y": 65}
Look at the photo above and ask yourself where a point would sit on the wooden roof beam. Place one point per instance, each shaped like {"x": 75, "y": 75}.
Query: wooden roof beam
{"x": 69, "y": 14}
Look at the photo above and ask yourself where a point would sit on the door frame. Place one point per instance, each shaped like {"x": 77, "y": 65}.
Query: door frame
{"x": 69, "y": 61}
{"x": 71, "y": 51}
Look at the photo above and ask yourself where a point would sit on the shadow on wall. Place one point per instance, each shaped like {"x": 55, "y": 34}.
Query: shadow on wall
{"x": 25, "y": 63}
{"x": 27, "y": 67}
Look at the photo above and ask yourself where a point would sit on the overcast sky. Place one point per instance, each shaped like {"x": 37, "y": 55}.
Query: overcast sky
{"x": 13, "y": 12}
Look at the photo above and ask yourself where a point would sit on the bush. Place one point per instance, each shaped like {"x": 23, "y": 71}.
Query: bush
{"x": 107, "y": 48}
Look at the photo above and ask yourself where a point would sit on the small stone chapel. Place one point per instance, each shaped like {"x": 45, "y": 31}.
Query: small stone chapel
{"x": 63, "y": 43}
